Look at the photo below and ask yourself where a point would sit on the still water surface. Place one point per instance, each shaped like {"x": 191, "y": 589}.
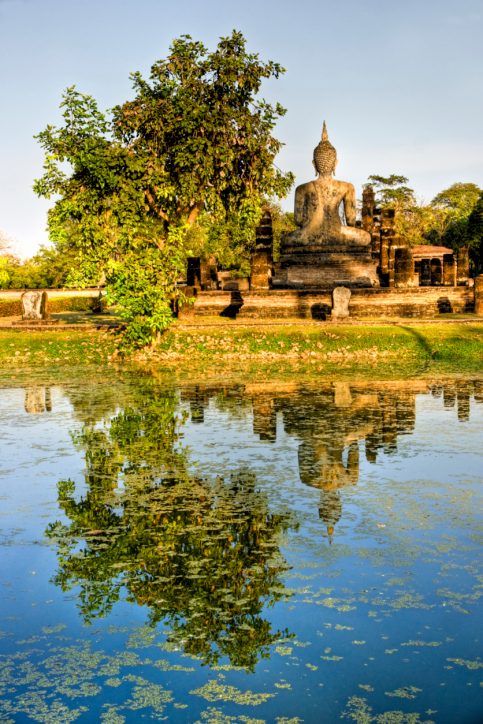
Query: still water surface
{"x": 271, "y": 552}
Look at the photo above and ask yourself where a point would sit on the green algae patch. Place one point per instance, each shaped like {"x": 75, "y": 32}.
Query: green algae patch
{"x": 215, "y": 690}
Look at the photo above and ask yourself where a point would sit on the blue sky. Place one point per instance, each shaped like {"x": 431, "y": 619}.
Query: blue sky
{"x": 399, "y": 83}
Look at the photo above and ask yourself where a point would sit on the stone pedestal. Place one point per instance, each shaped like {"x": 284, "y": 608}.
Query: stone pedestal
{"x": 479, "y": 295}
{"x": 340, "y": 303}
{"x": 316, "y": 269}
{"x": 34, "y": 307}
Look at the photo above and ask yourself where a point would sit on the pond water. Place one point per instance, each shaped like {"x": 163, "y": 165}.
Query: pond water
{"x": 242, "y": 553}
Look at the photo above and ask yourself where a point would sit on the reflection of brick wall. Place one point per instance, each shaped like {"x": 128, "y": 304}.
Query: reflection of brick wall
{"x": 279, "y": 304}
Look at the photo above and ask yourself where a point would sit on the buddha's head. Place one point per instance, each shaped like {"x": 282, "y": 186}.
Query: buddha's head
{"x": 325, "y": 156}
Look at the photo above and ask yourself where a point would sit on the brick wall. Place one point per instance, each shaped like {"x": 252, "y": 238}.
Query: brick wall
{"x": 315, "y": 304}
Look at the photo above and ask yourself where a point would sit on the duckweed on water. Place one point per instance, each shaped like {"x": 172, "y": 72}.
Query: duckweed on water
{"x": 204, "y": 554}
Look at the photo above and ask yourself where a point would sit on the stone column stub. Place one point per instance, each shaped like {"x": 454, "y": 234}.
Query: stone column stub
{"x": 260, "y": 270}
{"x": 463, "y": 268}
{"x": 479, "y": 294}
{"x": 368, "y": 198}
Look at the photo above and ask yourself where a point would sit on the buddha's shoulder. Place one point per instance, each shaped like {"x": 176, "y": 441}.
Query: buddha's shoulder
{"x": 307, "y": 187}
{"x": 341, "y": 185}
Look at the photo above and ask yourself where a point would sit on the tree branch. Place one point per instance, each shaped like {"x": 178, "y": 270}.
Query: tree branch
{"x": 194, "y": 213}
{"x": 152, "y": 204}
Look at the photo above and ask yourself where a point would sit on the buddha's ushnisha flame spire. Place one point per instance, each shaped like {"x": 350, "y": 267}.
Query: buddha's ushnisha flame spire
{"x": 325, "y": 155}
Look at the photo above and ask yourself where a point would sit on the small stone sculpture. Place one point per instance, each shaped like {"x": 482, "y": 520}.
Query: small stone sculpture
{"x": 340, "y": 302}
{"x": 34, "y": 306}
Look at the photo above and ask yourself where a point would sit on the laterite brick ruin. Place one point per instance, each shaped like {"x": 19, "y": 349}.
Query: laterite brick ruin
{"x": 384, "y": 275}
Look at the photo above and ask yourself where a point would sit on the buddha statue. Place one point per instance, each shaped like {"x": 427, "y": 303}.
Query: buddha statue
{"x": 317, "y": 206}
{"x": 324, "y": 251}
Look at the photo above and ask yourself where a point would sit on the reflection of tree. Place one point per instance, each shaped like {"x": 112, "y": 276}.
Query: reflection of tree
{"x": 201, "y": 555}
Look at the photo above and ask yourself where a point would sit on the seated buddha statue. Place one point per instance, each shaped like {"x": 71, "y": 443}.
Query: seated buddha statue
{"x": 317, "y": 209}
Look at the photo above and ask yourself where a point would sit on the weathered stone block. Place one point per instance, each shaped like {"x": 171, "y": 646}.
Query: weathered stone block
{"x": 260, "y": 270}
{"x": 479, "y": 294}
{"x": 34, "y": 306}
{"x": 340, "y": 302}
{"x": 449, "y": 270}
{"x": 463, "y": 268}
{"x": 236, "y": 285}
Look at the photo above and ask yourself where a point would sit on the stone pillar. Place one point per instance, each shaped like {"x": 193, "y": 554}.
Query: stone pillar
{"x": 202, "y": 274}
{"x": 194, "y": 272}
{"x": 260, "y": 271}
{"x": 368, "y": 197}
{"x": 479, "y": 294}
{"x": 264, "y": 233}
{"x": 403, "y": 267}
{"x": 209, "y": 273}
{"x": 186, "y": 310}
{"x": 449, "y": 270}
{"x": 436, "y": 273}
{"x": 376, "y": 235}
{"x": 388, "y": 223}
{"x": 425, "y": 273}
{"x": 463, "y": 269}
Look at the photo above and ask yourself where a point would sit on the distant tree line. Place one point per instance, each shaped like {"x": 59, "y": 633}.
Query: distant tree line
{"x": 454, "y": 218}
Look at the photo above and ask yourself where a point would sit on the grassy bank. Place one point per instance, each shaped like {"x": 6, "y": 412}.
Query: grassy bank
{"x": 315, "y": 345}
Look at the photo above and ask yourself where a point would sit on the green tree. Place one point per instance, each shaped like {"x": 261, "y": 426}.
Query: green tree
{"x": 194, "y": 138}
{"x": 391, "y": 191}
{"x": 459, "y": 199}
{"x": 474, "y": 234}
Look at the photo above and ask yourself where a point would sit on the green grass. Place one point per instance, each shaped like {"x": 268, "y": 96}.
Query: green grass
{"x": 355, "y": 345}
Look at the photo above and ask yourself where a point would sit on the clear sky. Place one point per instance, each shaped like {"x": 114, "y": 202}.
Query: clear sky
{"x": 399, "y": 83}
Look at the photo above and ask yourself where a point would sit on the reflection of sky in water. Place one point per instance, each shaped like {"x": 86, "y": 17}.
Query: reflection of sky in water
{"x": 386, "y": 563}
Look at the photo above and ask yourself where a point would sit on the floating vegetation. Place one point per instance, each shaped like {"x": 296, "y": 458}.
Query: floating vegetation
{"x": 360, "y": 712}
{"x": 468, "y": 664}
{"x": 215, "y": 690}
{"x": 406, "y": 692}
{"x": 183, "y": 545}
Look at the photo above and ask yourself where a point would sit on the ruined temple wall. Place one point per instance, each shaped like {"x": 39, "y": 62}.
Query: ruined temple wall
{"x": 317, "y": 304}
{"x": 333, "y": 269}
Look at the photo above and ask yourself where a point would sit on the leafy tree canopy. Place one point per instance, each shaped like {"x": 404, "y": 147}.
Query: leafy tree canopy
{"x": 195, "y": 138}
{"x": 390, "y": 190}
{"x": 459, "y": 198}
